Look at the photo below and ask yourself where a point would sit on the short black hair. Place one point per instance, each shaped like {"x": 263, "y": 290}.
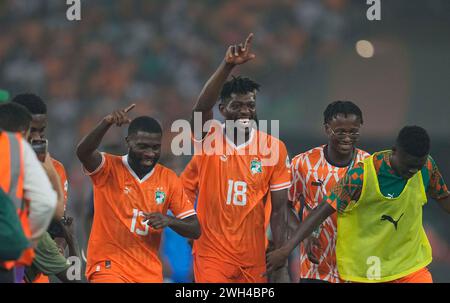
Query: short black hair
{"x": 32, "y": 102}
{"x": 341, "y": 107}
{"x": 414, "y": 140}
{"x": 144, "y": 124}
{"x": 238, "y": 85}
{"x": 14, "y": 117}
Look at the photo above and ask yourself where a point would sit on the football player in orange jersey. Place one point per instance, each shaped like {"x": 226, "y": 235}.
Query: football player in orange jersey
{"x": 314, "y": 173}
{"x": 132, "y": 195}
{"x": 232, "y": 186}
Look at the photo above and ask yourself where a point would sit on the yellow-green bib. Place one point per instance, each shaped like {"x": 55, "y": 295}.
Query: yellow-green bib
{"x": 381, "y": 239}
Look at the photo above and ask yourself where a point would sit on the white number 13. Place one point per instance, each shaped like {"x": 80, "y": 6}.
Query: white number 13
{"x": 133, "y": 229}
{"x": 238, "y": 190}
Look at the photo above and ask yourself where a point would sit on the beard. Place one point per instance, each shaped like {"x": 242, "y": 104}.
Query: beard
{"x": 140, "y": 163}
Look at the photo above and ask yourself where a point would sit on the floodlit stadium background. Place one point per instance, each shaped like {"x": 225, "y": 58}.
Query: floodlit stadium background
{"x": 158, "y": 54}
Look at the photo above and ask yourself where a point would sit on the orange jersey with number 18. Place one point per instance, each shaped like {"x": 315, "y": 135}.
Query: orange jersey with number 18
{"x": 231, "y": 188}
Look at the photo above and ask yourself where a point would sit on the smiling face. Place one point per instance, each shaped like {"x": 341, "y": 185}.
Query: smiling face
{"x": 343, "y": 133}
{"x": 240, "y": 108}
{"x": 144, "y": 149}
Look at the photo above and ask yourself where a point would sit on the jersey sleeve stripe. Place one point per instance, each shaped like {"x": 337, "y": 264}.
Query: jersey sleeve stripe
{"x": 280, "y": 188}
{"x": 276, "y": 186}
{"x": 97, "y": 169}
{"x": 187, "y": 214}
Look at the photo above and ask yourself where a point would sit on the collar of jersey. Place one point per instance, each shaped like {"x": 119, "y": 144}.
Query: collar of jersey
{"x": 231, "y": 143}
{"x": 125, "y": 162}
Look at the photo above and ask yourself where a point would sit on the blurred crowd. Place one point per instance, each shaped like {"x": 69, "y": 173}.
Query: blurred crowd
{"x": 156, "y": 54}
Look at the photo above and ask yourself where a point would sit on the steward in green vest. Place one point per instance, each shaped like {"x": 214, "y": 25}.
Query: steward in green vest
{"x": 380, "y": 236}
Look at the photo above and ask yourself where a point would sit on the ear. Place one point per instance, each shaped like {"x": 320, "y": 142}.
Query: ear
{"x": 327, "y": 129}
{"x": 222, "y": 109}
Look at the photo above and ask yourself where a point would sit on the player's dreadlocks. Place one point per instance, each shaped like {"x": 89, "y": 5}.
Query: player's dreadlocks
{"x": 32, "y": 102}
{"x": 341, "y": 107}
{"x": 414, "y": 140}
{"x": 237, "y": 85}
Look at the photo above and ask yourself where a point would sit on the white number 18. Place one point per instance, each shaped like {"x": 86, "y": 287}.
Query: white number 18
{"x": 238, "y": 190}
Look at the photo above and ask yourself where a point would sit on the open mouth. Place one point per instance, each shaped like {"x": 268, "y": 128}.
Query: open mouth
{"x": 245, "y": 122}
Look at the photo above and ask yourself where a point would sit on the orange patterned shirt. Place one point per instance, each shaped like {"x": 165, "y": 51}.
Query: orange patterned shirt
{"x": 312, "y": 178}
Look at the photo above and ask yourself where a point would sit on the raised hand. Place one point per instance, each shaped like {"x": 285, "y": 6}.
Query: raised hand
{"x": 239, "y": 54}
{"x": 119, "y": 117}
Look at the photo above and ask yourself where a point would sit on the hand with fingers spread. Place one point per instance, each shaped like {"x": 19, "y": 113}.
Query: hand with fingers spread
{"x": 157, "y": 220}
{"x": 119, "y": 117}
{"x": 240, "y": 53}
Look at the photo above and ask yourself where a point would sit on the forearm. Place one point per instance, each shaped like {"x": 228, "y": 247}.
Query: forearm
{"x": 73, "y": 246}
{"x": 314, "y": 219}
{"x": 187, "y": 228}
{"x": 293, "y": 221}
{"x": 278, "y": 224}
{"x": 91, "y": 142}
{"x": 210, "y": 93}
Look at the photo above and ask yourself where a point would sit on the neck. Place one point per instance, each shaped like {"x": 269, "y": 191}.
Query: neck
{"x": 238, "y": 134}
{"x": 338, "y": 159}
{"x": 140, "y": 171}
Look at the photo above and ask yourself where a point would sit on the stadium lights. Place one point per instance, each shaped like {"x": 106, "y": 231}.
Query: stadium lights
{"x": 365, "y": 49}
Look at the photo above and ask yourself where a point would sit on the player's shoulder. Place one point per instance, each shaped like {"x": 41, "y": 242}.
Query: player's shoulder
{"x": 165, "y": 173}
{"x": 264, "y": 137}
{"x": 431, "y": 161}
{"x": 362, "y": 153}
{"x": 430, "y": 165}
{"x": 114, "y": 158}
{"x": 114, "y": 162}
{"x": 60, "y": 169}
{"x": 313, "y": 154}
{"x": 57, "y": 164}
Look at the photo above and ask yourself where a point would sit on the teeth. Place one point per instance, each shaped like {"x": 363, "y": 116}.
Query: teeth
{"x": 244, "y": 121}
